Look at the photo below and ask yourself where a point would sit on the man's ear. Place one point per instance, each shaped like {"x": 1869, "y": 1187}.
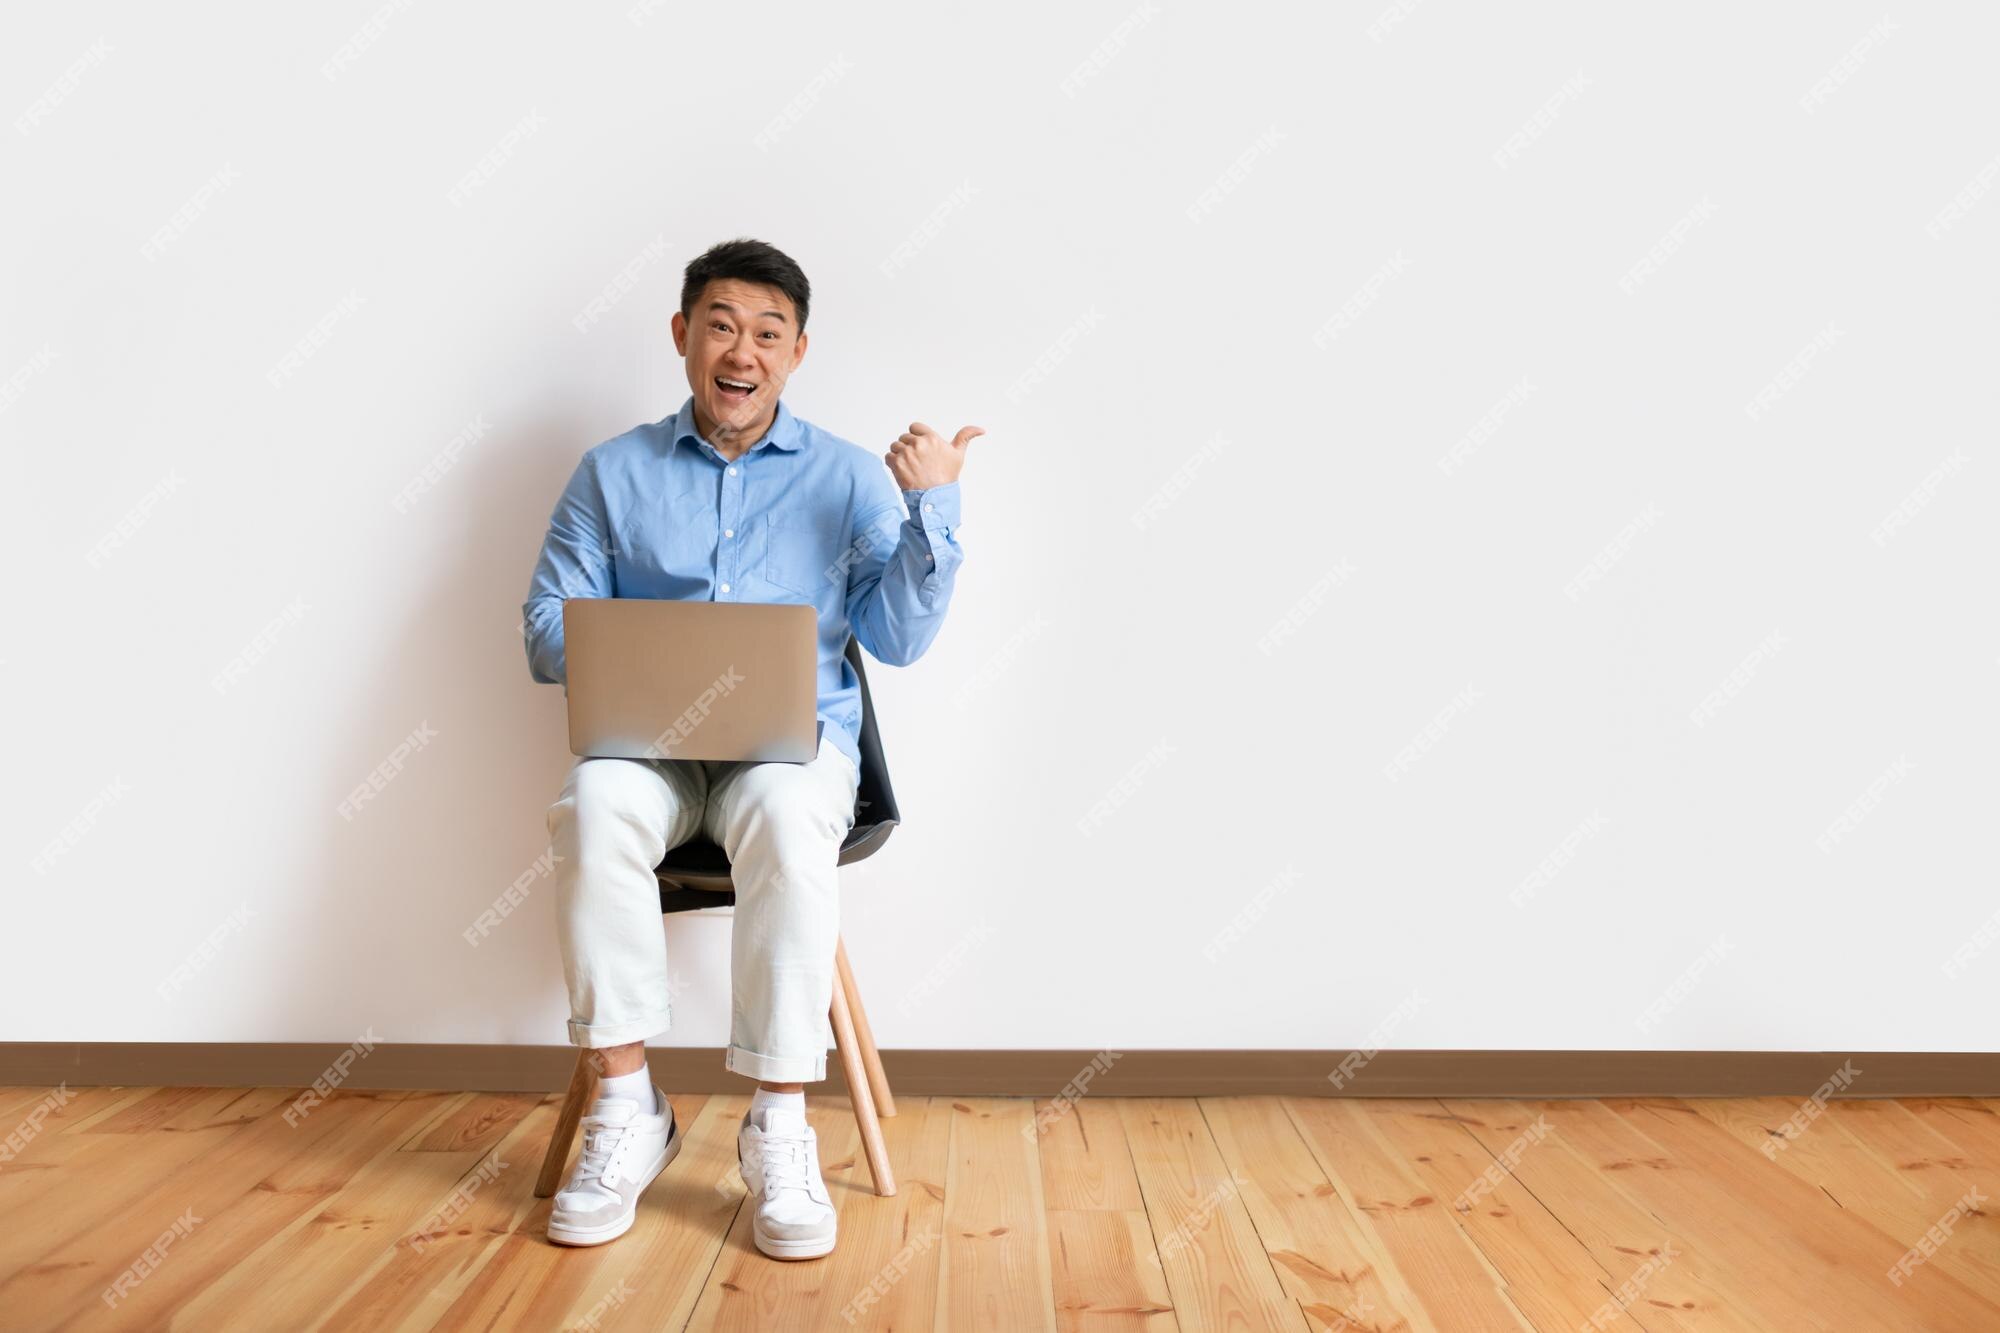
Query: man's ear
{"x": 679, "y": 325}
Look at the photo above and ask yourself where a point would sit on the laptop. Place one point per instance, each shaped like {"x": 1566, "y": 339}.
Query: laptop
{"x": 653, "y": 678}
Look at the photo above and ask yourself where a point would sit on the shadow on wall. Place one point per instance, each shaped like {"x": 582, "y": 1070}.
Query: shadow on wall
{"x": 430, "y": 912}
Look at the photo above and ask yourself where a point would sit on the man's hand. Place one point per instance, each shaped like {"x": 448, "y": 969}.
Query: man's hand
{"x": 922, "y": 458}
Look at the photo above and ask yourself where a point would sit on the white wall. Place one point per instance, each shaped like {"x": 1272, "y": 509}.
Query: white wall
{"x": 1046, "y": 173}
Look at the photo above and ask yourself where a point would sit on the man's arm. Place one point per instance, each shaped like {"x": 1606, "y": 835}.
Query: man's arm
{"x": 575, "y": 562}
{"x": 902, "y": 578}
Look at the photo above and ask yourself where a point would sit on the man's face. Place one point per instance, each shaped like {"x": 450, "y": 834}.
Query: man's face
{"x": 744, "y": 332}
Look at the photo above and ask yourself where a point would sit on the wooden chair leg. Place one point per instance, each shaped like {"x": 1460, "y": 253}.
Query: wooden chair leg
{"x": 582, "y": 1083}
{"x": 858, "y": 1094}
{"x": 878, "y": 1082}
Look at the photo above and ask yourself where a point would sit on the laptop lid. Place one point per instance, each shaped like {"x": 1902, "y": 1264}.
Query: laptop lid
{"x": 653, "y": 678}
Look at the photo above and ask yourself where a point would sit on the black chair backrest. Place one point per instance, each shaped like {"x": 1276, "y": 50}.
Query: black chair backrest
{"x": 696, "y": 873}
{"x": 875, "y": 804}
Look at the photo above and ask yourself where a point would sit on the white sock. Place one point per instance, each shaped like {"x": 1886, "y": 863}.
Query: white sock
{"x": 636, "y": 1086}
{"x": 763, "y": 1099}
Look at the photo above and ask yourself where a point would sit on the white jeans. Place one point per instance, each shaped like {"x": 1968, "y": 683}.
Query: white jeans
{"x": 782, "y": 826}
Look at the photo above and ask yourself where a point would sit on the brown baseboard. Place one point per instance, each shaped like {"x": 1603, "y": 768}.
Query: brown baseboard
{"x": 1016, "y": 1073}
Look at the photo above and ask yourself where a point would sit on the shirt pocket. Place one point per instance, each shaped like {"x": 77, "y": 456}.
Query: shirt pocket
{"x": 799, "y": 554}
{"x": 666, "y": 553}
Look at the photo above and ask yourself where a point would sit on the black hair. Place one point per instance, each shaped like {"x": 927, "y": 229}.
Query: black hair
{"x": 746, "y": 261}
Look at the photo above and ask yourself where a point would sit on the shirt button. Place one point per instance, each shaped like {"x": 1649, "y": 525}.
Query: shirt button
{"x": 732, "y": 472}
{"x": 729, "y": 532}
{"x": 725, "y": 587}
{"x": 927, "y": 506}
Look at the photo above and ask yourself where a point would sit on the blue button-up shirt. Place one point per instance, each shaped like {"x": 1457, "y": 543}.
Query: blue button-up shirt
{"x": 801, "y": 516}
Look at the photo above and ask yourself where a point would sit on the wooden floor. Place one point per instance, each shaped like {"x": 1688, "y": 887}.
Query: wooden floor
{"x": 415, "y": 1210}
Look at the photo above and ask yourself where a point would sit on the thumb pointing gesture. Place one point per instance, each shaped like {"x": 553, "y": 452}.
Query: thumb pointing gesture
{"x": 921, "y": 458}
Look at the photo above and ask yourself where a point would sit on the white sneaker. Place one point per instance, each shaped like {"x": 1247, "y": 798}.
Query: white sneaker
{"x": 623, "y": 1152}
{"x": 780, "y": 1164}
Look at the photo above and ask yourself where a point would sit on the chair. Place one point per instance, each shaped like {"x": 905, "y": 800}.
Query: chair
{"x": 695, "y": 876}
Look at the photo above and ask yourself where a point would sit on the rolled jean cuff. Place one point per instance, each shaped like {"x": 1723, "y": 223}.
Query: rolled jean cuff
{"x": 596, "y": 1035}
{"x": 775, "y": 1068}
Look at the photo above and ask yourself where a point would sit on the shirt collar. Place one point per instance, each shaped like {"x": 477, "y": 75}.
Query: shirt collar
{"x": 786, "y": 432}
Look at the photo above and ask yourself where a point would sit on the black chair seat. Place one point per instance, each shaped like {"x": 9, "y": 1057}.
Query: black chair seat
{"x": 695, "y": 874}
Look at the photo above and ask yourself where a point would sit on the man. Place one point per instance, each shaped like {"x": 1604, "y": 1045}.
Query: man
{"x": 732, "y": 498}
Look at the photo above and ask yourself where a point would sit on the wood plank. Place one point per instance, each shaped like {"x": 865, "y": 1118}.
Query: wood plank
{"x": 1215, "y": 1265}
{"x": 48, "y": 1152}
{"x": 178, "y": 1110}
{"x": 1666, "y": 1273}
{"x": 256, "y": 1182}
{"x": 1968, "y": 1123}
{"x": 89, "y": 1173}
{"x": 95, "y": 1176}
{"x": 1675, "y": 1276}
{"x": 994, "y": 1256}
{"x": 1413, "y": 1231}
{"x": 1086, "y": 1162}
{"x": 1106, "y": 1273}
{"x": 150, "y": 1111}
{"x": 1822, "y": 1154}
{"x": 1323, "y": 1256}
{"x": 388, "y": 1197}
{"x": 1777, "y": 1233}
{"x": 1929, "y": 1161}
{"x": 1556, "y": 1276}
{"x": 48, "y": 1114}
{"x": 1865, "y": 1178}
{"x": 415, "y": 1280}
{"x": 1104, "y": 1269}
{"x": 1946, "y": 1179}
{"x": 478, "y": 1122}
{"x": 16, "y": 1100}
{"x": 121, "y": 1098}
{"x": 889, "y": 1251}
{"x": 226, "y": 1107}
